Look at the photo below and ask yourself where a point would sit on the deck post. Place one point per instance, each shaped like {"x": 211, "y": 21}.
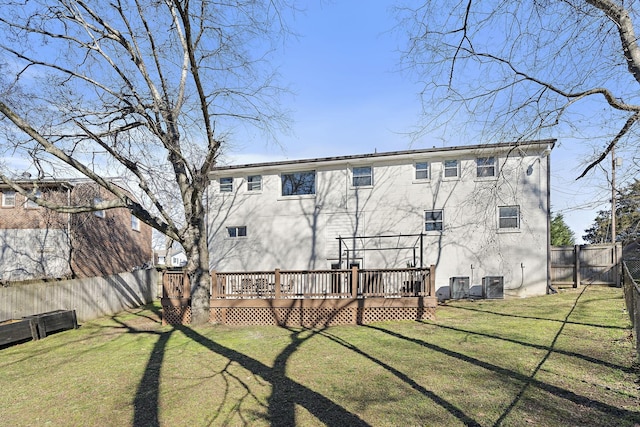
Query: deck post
{"x": 432, "y": 280}
{"x": 354, "y": 282}
{"x": 277, "y": 283}
{"x": 214, "y": 284}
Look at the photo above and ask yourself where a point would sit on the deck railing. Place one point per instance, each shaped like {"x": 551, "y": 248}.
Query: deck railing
{"x": 353, "y": 283}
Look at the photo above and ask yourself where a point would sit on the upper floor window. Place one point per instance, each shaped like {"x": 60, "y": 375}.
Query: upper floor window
{"x": 226, "y": 185}
{"x": 508, "y": 217}
{"x": 450, "y": 168}
{"x": 135, "y": 223}
{"x": 30, "y": 203}
{"x": 254, "y": 183}
{"x": 362, "y": 176}
{"x": 486, "y": 166}
{"x": 422, "y": 170}
{"x": 237, "y": 231}
{"x": 100, "y": 213}
{"x": 298, "y": 183}
{"x": 433, "y": 220}
{"x": 8, "y": 199}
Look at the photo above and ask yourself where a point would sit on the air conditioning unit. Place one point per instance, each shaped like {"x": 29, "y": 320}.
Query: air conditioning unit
{"x": 493, "y": 287}
{"x": 459, "y": 287}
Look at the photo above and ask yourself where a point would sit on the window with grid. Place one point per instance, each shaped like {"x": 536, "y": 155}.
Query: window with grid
{"x": 486, "y": 167}
{"x": 433, "y": 220}
{"x": 254, "y": 183}
{"x": 422, "y": 170}
{"x": 8, "y": 199}
{"x": 450, "y": 168}
{"x": 362, "y": 176}
{"x": 509, "y": 217}
{"x": 226, "y": 185}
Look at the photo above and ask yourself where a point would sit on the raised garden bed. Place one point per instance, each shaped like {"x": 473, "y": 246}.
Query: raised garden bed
{"x": 37, "y": 326}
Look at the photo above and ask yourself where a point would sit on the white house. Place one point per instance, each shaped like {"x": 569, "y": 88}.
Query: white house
{"x": 479, "y": 213}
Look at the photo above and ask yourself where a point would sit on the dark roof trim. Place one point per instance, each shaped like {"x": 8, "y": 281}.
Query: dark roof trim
{"x": 503, "y": 145}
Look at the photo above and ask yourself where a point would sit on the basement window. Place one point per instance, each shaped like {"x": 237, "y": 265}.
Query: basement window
{"x": 234, "y": 232}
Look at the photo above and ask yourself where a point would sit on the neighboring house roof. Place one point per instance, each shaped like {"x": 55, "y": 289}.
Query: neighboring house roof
{"x": 397, "y": 154}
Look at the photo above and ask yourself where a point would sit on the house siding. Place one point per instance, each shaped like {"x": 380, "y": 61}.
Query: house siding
{"x": 299, "y": 232}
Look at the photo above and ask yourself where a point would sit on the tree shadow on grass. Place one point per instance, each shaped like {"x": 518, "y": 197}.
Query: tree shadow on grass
{"x": 452, "y": 409}
{"x": 527, "y": 380}
{"x": 286, "y": 393}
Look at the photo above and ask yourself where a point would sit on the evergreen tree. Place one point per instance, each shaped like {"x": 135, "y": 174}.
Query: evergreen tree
{"x": 561, "y": 234}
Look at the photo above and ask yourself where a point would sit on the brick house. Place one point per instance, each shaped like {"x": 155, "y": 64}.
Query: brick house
{"x": 36, "y": 242}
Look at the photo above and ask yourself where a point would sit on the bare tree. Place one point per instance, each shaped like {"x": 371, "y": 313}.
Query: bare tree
{"x": 514, "y": 70}
{"x": 144, "y": 88}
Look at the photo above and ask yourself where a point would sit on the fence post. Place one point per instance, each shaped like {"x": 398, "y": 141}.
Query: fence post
{"x": 277, "y": 284}
{"x": 576, "y": 254}
{"x": 354, "y": 282}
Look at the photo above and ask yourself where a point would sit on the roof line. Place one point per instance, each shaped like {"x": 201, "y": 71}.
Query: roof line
{"x": 550, "y": 141}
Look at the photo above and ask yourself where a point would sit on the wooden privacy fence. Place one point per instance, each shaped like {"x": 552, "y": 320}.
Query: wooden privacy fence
{"x": 585, "y": 264}
{"x": 631, "y": 280}
{"x": 308, "y": 298}
{"x": 90, "y": 297}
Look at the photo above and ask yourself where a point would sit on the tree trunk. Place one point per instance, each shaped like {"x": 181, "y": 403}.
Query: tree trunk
{"x": 198, "y": 270}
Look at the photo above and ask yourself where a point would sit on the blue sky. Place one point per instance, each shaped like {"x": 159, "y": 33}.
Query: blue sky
{"x": 350, "y": 98}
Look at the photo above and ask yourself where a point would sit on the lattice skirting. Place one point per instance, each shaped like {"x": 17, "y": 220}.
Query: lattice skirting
{"x": 317, "y": 316}
{"x": 176, "y": 315}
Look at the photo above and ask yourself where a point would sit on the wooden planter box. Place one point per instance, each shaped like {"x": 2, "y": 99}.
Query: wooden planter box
{"x": 54, "y": 321}
{"x": 37, "y": 326}
{"x": 17, "y": 331}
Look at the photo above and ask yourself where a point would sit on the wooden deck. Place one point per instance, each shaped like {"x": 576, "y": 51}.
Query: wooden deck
{"x": 316, "y": 298}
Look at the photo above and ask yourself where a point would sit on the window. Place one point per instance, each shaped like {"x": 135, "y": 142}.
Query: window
{"x": 450, "y": 168}
{"x": 8, "y": 199}
{"x": 299, "y": 183}
{"x": 226, "y": 185}
{"x": 99, "y": 214}
{"x": 237, "y": 231}
{"x": 433, "y": 220}
{"x": 254, "y": 183}
{"x": 422, "y": 170}
{"x": 30, "y": 203}
{"x": 362, "y": 176}
{"x": 509, "y": 217}
{"x": 135, "y": 223}
{"x": 486, "y": 166}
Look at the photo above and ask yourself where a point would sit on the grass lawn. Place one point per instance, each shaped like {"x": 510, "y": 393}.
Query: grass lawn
{"x": 564, "y": 359}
